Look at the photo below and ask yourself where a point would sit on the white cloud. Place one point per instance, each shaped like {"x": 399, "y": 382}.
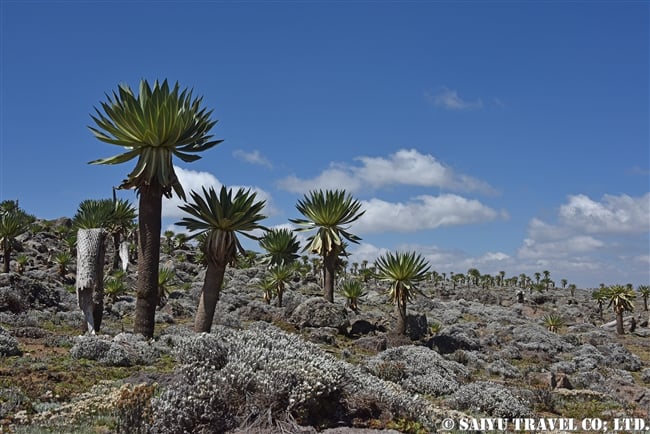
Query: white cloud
{"x": 442, "y": 261}
{"x": 195, "y": 180}
{"x": 410, "y": 167}
{"x": 592, "y": 240}
{"x": 585, "y": 226}
{"x": 559, "y": 248}
{"x": 644, "y": 260}
{"x": 190, "y": 180}
{"x": 445, "y": 261}
{"x": 404, "y": 167}
{"x": 252, "y": 157}
{"x": 494, "y": 257}
{"x": 449, "y": 99}
{"x": 423, "y": 212}
{"x": 614, "y": 214}
{"x": 636, "y": 170}
{"x": 330, "y": 179}
{"x": 537, "y": 229}
{"x": 365, "y": 252}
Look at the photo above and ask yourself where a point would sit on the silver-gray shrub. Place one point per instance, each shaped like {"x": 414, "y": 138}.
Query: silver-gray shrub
{"x": 11, "y": 301}
{"x": 202, "y": 349}
{"x": 8, "y": 344}
{"x": 123, "y": 308}
{"x": 536, "y": 338}
{"x": 123, "y": 350}
{"x": 366, "y": 391}
{"x": 70, "y": 318}
{"x": 90, "y": 347}
{"x": 266, "y": 373}
{"x": 503, "y": 369}
{"x": 616, "y": 355}
{"x": 12, "y": 399}
{"x": 489, "y": 398}
{"x": 645, "y": 375}
{"x": 262, "y": 376}
{"x": 23, "y": 319}
{"x": 418, "y": 369}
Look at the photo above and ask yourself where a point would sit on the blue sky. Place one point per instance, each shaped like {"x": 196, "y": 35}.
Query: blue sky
{"x": 506, "y": 136}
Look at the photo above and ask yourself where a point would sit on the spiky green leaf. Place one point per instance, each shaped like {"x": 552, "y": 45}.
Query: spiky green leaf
{"x": 154, "y": 125}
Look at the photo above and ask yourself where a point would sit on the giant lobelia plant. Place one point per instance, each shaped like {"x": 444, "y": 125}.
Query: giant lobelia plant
{"x": 159, "y": 123}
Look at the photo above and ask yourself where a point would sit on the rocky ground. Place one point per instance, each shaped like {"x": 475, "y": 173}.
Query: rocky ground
{"x": 309, "y": 365}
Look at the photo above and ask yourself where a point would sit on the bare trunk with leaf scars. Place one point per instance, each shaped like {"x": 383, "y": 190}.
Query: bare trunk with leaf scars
{"x": 619, "y": 321}
{"x": 280, "y": 291}
{"x": 400, "y": 310}
{"x": 329, "y": 275}
{"x": 149, "y": 224}
{"x": 209, "y": 297}
{"x": 116, "y": 250}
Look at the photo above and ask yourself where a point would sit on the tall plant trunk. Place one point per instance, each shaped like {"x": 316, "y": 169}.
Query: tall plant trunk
{"x": 209, "y": 297}
{"x": 400, "y": 327}
{"x": 91, "y": 248}
{"x": 116, "y": 250}
{"x": 280, "y": 291}
{"x": 149, "y": 223}
{"x": 6, "y": 255}
{"x": 619, "y": 322}
{"x": 329, "y": 275}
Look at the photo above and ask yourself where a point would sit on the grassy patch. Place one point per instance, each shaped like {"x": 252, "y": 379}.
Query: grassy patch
{"x": 588, "y": 408}
{"x": 103, "y": 424}
{"x": 58, "y": 377}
